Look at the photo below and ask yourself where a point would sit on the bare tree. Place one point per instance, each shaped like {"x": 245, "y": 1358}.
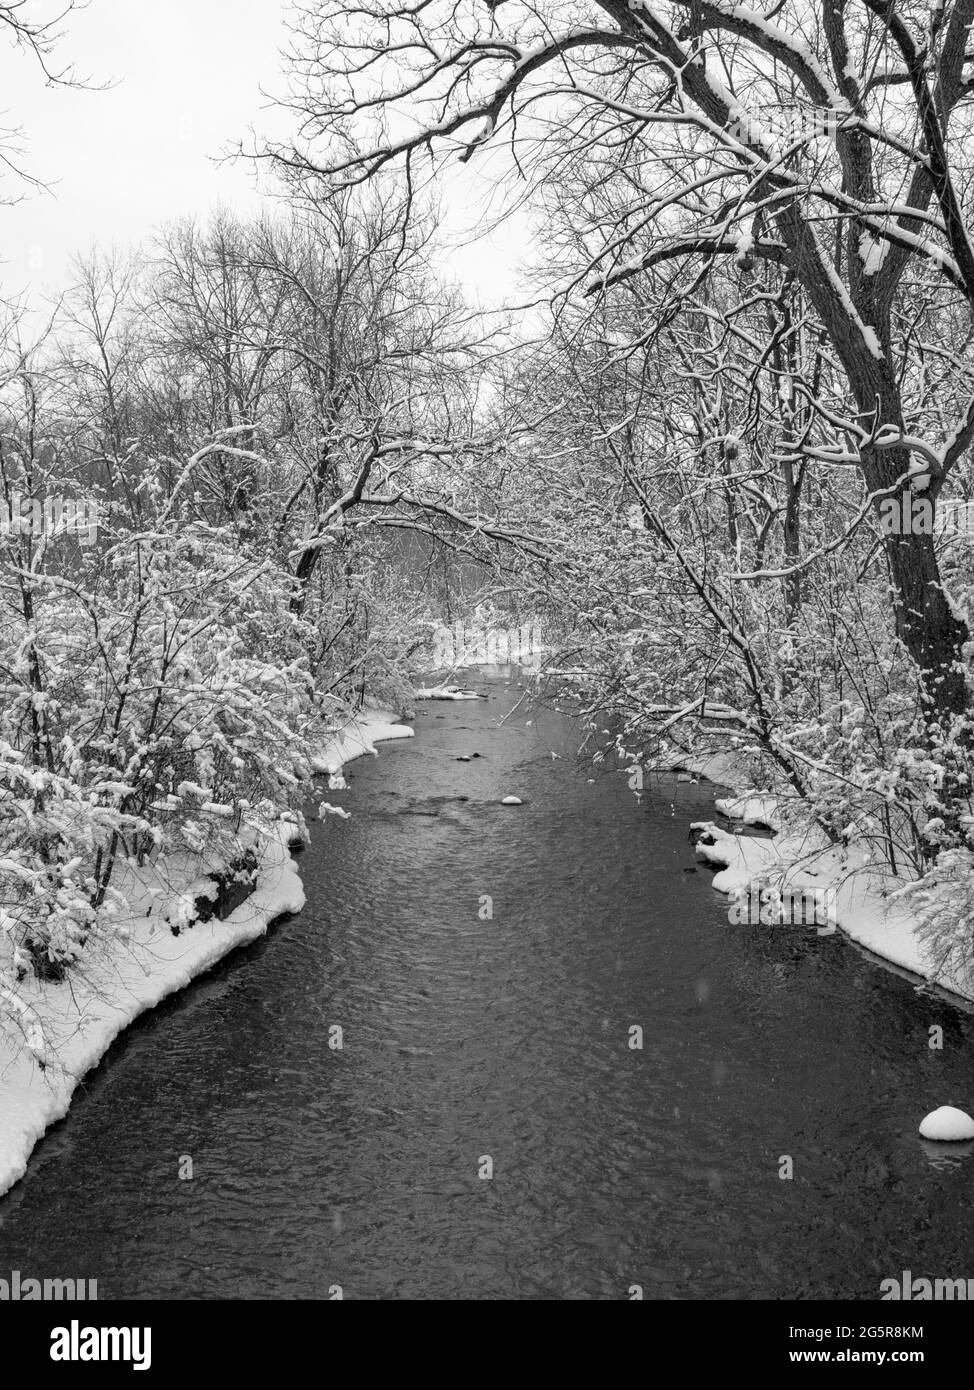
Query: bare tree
{"x": 35, "y": 27}
{"x": 818, "y": 138}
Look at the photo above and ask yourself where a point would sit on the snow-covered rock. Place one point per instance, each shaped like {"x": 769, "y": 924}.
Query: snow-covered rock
{"x": 947, "y": 1124}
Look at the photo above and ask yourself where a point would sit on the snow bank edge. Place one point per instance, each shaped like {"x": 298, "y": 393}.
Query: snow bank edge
{"x": 31, "y": 1100}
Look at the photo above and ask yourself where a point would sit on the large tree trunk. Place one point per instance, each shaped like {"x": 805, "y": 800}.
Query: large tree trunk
{"x": 932, "y": 632}
{"x": 928, "y": 627}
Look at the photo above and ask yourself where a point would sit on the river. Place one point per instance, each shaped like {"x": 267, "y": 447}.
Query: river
{"x": 494, "y": 1038}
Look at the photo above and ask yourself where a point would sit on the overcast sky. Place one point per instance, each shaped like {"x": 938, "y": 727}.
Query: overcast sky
{"x": 187, "y": 76}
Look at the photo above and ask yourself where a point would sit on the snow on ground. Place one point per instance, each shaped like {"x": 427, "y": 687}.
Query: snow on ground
{"x": 862, "y": 898}
{"x": 81, "y": 1017}
{"x": 445, "y": 692}
{"x": 861, "y": 895}
{"x": 360, "y": 735}
{"x": 728, "y": 769}
{"x": 751, "y": 808}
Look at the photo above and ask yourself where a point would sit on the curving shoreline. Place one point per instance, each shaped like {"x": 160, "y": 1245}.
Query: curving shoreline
{"x": 83, "y": 1016}
{"x": 868, "y": 908}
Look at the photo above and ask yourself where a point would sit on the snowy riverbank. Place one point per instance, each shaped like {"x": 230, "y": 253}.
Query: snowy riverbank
{"x": 864, "y": 902}
{"x": 80, "y": 1018}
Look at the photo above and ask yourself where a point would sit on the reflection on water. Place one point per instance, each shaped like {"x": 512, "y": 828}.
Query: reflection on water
{"x": 487, "y": 966}
{"x": 947, "y": 1155}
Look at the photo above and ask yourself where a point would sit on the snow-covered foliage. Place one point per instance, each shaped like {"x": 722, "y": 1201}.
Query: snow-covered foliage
{"x": 158, "y": 688}
{"x": 749, "y": 611}
{"x": 710, "y": 466}
{"x": 257, "y": 423}
{"x": 753, "y": 231}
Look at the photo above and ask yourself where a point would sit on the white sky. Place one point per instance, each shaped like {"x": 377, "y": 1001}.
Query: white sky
{"x": 187, "y": 77}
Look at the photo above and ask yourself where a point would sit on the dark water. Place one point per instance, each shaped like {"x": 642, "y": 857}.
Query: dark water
{"x": 507, "y": 1037}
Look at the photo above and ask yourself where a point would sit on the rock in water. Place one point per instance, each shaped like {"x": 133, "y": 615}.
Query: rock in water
{"x": 948, "y": 1124}
{"x": 512, "y": 801}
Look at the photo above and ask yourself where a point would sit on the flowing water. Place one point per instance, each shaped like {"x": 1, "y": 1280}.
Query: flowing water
{"x": 481, "y": 1036}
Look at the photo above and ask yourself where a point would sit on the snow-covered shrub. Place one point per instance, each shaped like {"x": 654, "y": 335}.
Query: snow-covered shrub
{"x": 156, "y": 696}
{"x": 942, "y": 900}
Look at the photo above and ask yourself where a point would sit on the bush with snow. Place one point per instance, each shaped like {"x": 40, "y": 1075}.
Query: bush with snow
{"x": 156, "y": 693}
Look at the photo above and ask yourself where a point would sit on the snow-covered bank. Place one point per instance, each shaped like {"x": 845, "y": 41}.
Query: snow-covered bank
{"x": 866, "y": 901}
{"x": 74, "y": 1023}
{"x": 446, "y": 692}
{"x": 727, "y": 769}
{"x": 359, "y": 736}
{"x": 751, "y": 808}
